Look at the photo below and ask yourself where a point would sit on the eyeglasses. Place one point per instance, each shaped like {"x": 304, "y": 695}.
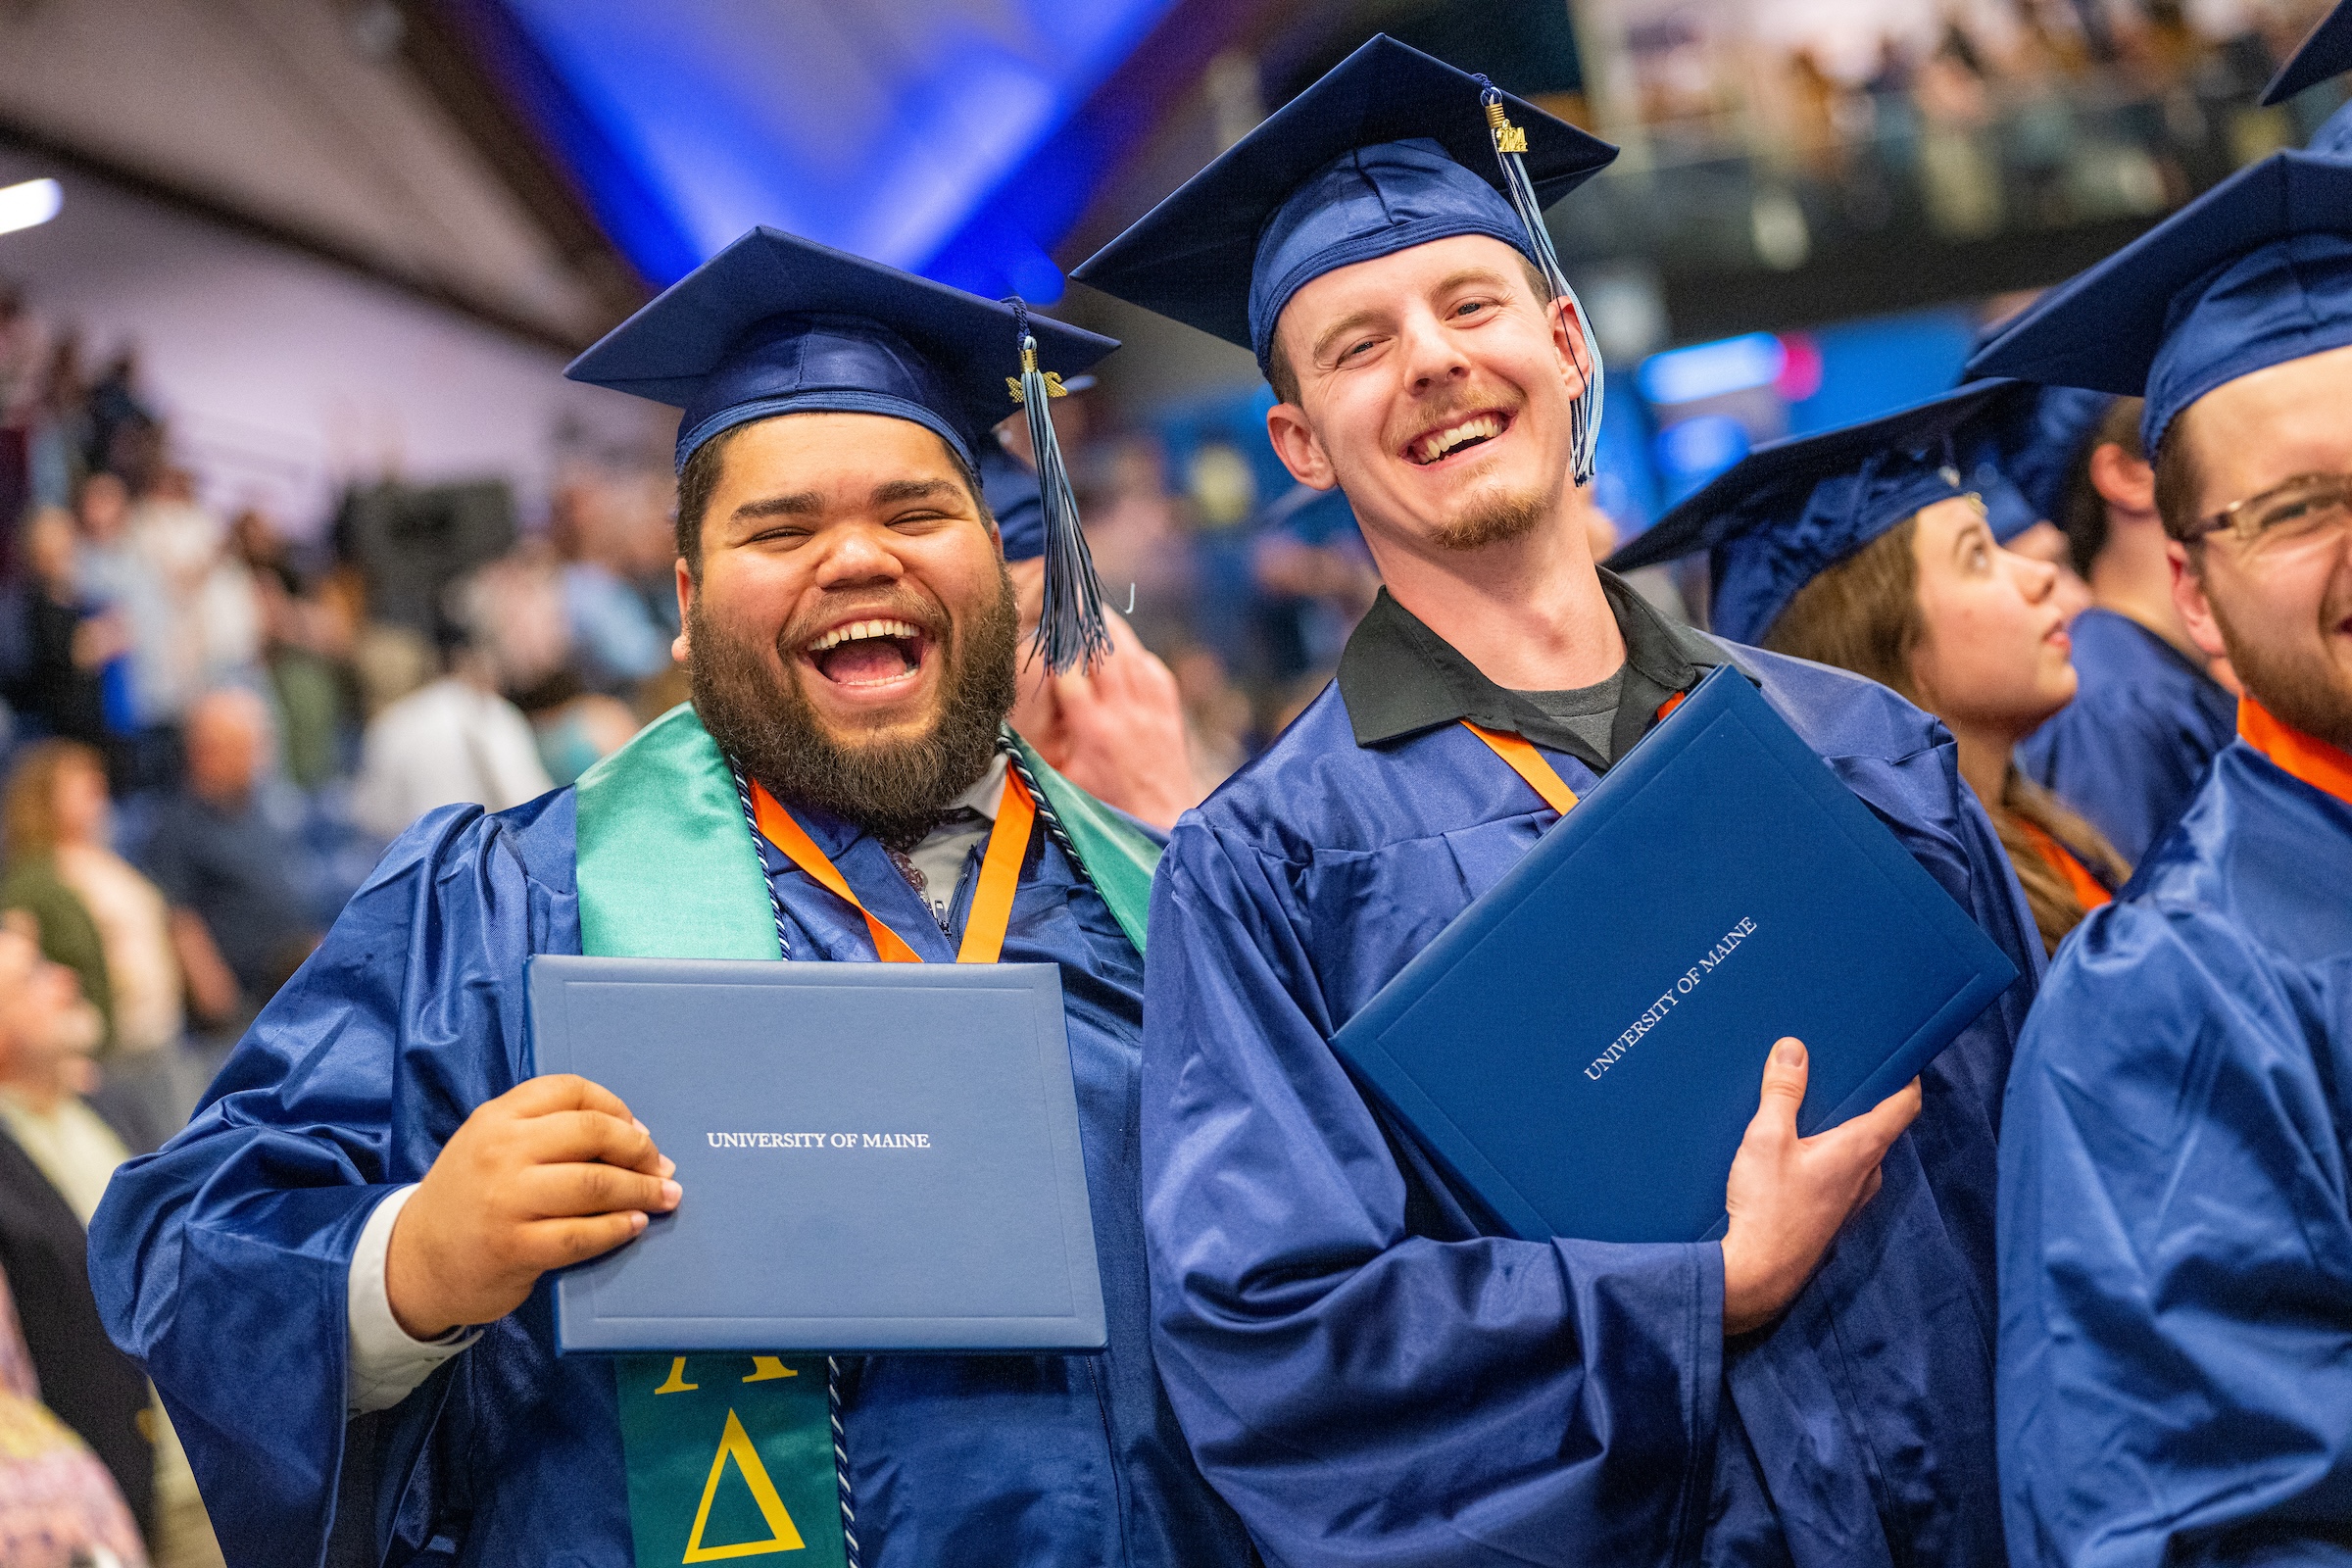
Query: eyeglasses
{"x": 2287, "y": 519}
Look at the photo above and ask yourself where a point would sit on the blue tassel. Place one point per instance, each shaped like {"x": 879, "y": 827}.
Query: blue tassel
{"x": 1071, "y": 630}
{"x": 1510, "y": 143}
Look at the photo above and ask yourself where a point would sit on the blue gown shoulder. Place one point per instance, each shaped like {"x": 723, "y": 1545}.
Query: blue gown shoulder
{"x": 2176, "y": 1202}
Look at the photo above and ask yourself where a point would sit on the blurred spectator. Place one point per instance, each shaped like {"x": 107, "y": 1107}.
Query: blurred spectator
{"x": 216, "y": 624}
{"x": 456, "y": 739}
{"x": 69, "y": 650}
{"x": 117, "y": 575}
{"x": 59, "y": 425}
{"x": 239, "y": 922}
{"x": 121, "y": 429}
{"x": 610, "y": 545}
{"x": 59, "y": 1507}
{"x": 102, "y": 919}
{"x": 56, "y": 1156}
{"x": 306, "y": 649}
{"x": 21, "y": 352}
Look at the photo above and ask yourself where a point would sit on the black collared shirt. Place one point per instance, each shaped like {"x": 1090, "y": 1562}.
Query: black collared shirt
{"x": 1398, "y": 678}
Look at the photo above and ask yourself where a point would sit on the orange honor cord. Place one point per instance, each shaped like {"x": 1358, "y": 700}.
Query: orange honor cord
{"x": 1000, "y": 875}
{"x": 1528, "y": 763}
{"x": 2089, "y": 891}
{"x": 992, "y": 899}
{"x": 2324, "y": 767}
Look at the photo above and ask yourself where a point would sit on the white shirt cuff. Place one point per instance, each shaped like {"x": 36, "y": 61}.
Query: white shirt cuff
{"x": 385, "y": 1363}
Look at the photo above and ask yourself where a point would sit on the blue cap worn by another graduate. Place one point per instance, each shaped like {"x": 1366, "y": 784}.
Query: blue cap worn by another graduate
{"x": 778, "y": 325}
{"x": 1791, "y": 508}
{"x": 1009, "y": 487}
{"x": 1390, "y": 149}
{"x": 2020, "y": 450}
{"x": 2256, "y": 271}
{"x": 2326, "y": 51}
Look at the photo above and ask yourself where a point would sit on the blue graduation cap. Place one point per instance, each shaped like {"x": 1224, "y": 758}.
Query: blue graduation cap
{"x": 2327, "y": 51}
{"x": 2020, "y": 450}
{"x": 1009, "y": 487}
{"x": 778, "y": 325}
{"x": 1790, "y": 509}
{"x": 2256, "y": 271}
{"x": 1390, "y": 149}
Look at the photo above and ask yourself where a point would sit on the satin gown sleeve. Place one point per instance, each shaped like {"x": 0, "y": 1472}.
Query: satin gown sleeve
{"x": 1359, "y": 1393}
{"x": 2175, "y": 1381}
{"x": 221, "y": 1260}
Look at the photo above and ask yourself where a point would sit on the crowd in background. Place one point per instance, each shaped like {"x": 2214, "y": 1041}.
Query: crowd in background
{"x": 1764, "y": 139}
{"x": 216, "y": 722}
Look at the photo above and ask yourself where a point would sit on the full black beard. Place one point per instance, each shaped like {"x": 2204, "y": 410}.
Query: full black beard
{"x": 895, "y": 791}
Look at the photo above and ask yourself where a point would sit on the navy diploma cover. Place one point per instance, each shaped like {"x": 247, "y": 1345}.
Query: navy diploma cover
{"x": 1582, "y": 1047}
{"x": 876, "y": 1157}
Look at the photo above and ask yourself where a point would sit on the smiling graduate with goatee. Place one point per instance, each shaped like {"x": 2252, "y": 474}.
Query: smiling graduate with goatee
{"x": 338, "y": 1275}
{"x": 1368, "y": 1372}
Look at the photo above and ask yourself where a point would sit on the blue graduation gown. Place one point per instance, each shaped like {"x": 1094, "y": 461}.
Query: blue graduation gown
{"x": 221, "y": 1261}
{"x": 2127, "y": 752}
{"x": 1370, "y": 1379}
{"x": 2175, "y": 1378}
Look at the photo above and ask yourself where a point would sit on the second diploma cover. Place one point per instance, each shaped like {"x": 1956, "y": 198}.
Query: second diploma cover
{"x": 1582, "y": 1047}
{"x": 876, "y": 1157}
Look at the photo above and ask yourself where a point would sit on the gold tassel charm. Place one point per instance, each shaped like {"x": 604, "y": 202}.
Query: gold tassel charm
{"x": 1508, "y": 138}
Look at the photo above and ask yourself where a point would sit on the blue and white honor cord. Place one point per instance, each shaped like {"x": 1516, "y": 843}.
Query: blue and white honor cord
{"x": 841, "y": 1451}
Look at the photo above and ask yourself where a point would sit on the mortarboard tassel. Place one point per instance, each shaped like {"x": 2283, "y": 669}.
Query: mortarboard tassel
{"x": 1510, "y": 142}
{"x": 1070, "y": 630}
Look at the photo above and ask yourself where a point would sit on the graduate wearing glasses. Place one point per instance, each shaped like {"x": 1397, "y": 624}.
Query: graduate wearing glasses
{"x": 2176, "y": 1215}
{"x": 1369, "y": 1374}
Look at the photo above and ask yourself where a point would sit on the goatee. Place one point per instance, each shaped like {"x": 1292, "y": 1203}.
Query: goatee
{"x": 894, "y": 790}
{"x": 1493, "y": 518}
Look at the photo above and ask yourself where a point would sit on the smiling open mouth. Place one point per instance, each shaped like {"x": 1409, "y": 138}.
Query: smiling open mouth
{"x": 1460, "y": 436}
{"x": 868, "y": 653}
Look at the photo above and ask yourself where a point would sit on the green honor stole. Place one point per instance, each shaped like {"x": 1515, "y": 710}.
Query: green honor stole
{"x": 734, "y": 1456}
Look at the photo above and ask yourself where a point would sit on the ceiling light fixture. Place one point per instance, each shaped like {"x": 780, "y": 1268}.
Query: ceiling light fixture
{"x": 29, "y": 203}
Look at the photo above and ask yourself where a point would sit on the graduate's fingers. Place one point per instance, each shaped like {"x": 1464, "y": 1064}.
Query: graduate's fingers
{"x": 1870, "y": 1135}
{"x": 565, "y": 1192}
{"x": 567, "y": 1135}
{"x": 551, "y": 1244}
{"x": 1786, "y": 1072}
{"x": 561, "y": 1091}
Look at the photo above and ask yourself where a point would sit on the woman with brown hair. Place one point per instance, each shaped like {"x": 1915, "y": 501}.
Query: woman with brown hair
{"x": 98, "y": 916}
{"x": 1861, "y": 548}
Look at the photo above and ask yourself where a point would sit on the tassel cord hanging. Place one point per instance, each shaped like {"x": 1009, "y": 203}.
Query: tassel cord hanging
{"x": 1071, "y": 629}
{"x": 1510, "y": 144}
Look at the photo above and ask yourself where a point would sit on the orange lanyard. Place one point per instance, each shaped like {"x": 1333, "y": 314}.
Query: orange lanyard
{"x": 992, "y": 899}
{"x": 2323, "y": 766}
{"x": 2089, "y": 891}
{"x": 1529, "y": 763}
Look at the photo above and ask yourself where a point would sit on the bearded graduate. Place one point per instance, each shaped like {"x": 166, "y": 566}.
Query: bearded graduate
{"x": 1370, "y": 1372}
{"x": 2176, "y": 1225}
{"x": 362, "y": 1217}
